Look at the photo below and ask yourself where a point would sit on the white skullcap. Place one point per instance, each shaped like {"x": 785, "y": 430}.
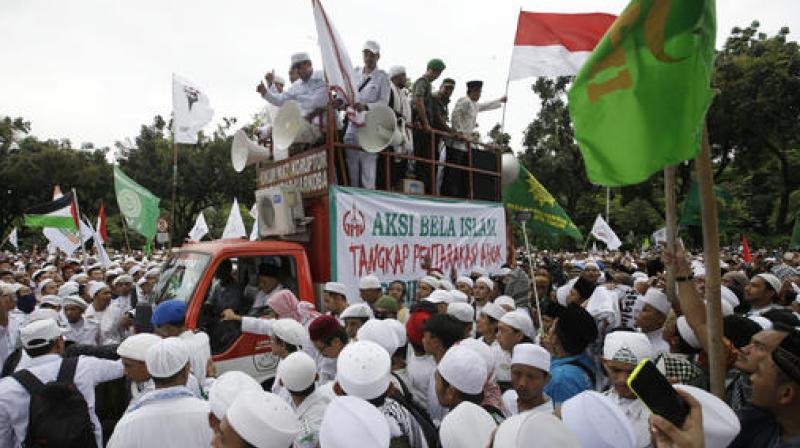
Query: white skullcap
{"x": 369, "y": 282}
{"x": 399, "y": 330}
{"x": 95, "y": 287}
{"x": 75, "y": 301}
{"x": 78, "y": 277}
{"x": 728, "y": 296}
{"x": 464, "y": 369}
{"x": 396, "y": 70}
{"x": 166, "y": 357}
{"x": 562, "y": 292}
{"x": 534, "y": 429}
{"x": 141, "y": 281}
{"x": 465, "y": 280}
{"x": 506, "y": 301}
{"x": 597, "y": 421}
{"x": 466, "y": 426}
{"x": 291, "y": 331}
{"x": 372, "y": 46}
{"x": 483, "y": 350}
{"x": 462, "y": 311}
{"x": 520, "y": 320}
{"x": 627, "y": 347}
{"x": 349, "y": 417}
{"x": 43, "y": 314}
{"x": 485, "y": 281}
{"x": 297, "y": 372}
{"x": 152, "y": 272}
{"x": 762, "y": 321}
{"x": 124, "y": 278}
{"x": 51, "y": 299}
{"x": 446, "y": 285}
{"x": 458, "y": 296}
{"x": 135, "y": 269}
{"x": 50, "y": 268}
{"x": 531, "y": 355}
{"x": 379, "y": 332}
{"x": 336, "y": 288}
{"x": 39, "y": 333}
{"x": 439, "y": 296}
{"x": 361, "y": 310}
{"x": 227, "y": 387}
{"x": 363, "y": 369}
{"x": 479, "y": 271}
{"x": 686, "y": 332}
{"x": 720, "y": 423}
{"x": 44, "y": 283}
{"x": 430, "y": 280}
{"x": 639, "y": 277}
{"x": 68, "y": 289}
{"x": 135, "y": 347}
{"x": 263, "y": 420}
{"x": 300, "y": 57}
{"x": 657, "y": 300}
{"x": 494, "y": 311}
{"x": 279, "y": 80}
{"x": 772, "y": 281}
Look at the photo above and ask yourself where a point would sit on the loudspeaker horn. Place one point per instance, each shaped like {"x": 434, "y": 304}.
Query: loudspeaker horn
{"x": 245, "y": 152}
{"x": 290, "y": 126}
{"x": 379, "y": 130}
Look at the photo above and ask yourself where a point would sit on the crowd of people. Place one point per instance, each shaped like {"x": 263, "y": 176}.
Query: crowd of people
{"x": 475, "y": 360}
{"x": 417, "y": 104}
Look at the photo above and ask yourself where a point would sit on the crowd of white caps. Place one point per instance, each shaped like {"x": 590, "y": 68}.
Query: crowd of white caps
{"x": 473, "y": 360}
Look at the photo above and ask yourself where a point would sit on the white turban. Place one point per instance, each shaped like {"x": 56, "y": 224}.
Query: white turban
{"x": 95, "y": 287}
{"x": 466, "y": 426}
{"x": 349, "y": 417}
{"x": 167, "y": 357}
{"x": 363, "y": 369}
{"x": 597, "y": 421}
{"x": 135, "y": 347}
{"x": 227, "y": 387}
{"x": 627, "y": 347}
{"x": 263, "y": 420}
{"x": 464, "y": 369}
{"x": 297, "y": 372}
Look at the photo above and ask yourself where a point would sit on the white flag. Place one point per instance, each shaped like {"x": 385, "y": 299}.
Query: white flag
{"x": 102, "y": 255}
{"x": 234, "y": 228}
{"x": 63, "y": 239}
{"x": 602, "y": 231}
{"x": 660, "y": 235}
{"x": 191, "y": 110}
{"x": 254, "y": 214}
{"x": 335, "y": 59}
{"x": 12, "y": 238}
{"x": 200, "y": 228}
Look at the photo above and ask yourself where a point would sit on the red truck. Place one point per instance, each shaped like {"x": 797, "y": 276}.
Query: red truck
{"x": 311, "y": 252}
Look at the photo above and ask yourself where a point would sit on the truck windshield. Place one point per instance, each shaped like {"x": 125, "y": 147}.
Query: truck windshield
{"x": 180, "y": 276}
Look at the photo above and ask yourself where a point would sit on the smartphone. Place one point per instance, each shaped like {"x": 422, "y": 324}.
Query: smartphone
{"x": 652, "y": 387}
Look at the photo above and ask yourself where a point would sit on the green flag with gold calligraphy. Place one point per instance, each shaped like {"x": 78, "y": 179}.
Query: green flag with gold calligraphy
{"x": 548, "y": 219}
{"x": 639, "y": 102}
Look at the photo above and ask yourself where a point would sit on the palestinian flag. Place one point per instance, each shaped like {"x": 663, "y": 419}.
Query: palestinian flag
{"x": 61, "y": 213}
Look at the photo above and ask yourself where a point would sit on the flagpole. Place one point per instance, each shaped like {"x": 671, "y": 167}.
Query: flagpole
{"x": 80, "y": 236}
{"x": 608, "y": 205}
{"x": 125, "y": 232}
{"x": 174, "y": 181}
{"x": 533, "y": 277}
{"x": 508, "y": 80}
{"x": 671, "y": 209}
{"x": 708, "y": 209}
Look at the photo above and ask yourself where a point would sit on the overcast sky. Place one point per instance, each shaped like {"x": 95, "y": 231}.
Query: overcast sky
{"x": 95, "y": 70}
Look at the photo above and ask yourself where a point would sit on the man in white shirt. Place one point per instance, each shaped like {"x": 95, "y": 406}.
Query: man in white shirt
{"x": 372, "y": 88}
{"x": 170, "y": 415}
{"x": 651, "y": 319}
{"x": 8, "y": 325}
{"x": 42, "y": 340}
{"x": 310, "y": 92}
{"x": 79, "y": 330}
{"x": 464, "y": 120}
{"x": 297, "y": 374}
{"x": 400, "y": 103}
{"x": 530, "y": 372}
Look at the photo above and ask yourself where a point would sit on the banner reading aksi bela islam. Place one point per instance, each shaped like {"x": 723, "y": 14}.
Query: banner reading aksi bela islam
{"x": 388, "y": 235}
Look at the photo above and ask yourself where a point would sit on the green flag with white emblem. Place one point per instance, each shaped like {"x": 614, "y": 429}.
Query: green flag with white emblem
{"x": 137, "y": 204}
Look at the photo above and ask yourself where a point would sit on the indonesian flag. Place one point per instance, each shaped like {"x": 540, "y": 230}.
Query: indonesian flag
{"x": 101, "y": 224}
{"x": 555, "y": 44}
{"x": 746, "y": 255}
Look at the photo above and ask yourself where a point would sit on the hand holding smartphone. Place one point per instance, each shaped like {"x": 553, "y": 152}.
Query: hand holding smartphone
{"x": 650, "y": 386}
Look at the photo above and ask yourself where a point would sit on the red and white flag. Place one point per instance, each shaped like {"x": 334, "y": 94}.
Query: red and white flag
{"x": 555, "y": 44}
{"x": 101, "y": 224}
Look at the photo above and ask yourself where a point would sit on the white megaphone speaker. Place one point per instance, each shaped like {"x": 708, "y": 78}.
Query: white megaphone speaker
{"x": 290, "y": 127}
{"x": 380, "y": 129}
{"x": 245, "y": 152}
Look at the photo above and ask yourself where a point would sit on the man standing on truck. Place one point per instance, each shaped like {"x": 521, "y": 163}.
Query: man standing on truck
{"x": 423, "y": 110}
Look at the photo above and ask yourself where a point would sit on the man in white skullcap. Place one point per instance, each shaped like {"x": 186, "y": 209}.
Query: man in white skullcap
{"x": 310, "y": 92}
{"x": 514, "y": 328}
{"x": 114, "y": 324}
{"x": 224, "y": 392}
{"x": 372, "y": 89}
{"x": 761, "y": 293}
{"x": 400, "y": 104}
{"x": 132, "y": 352}
{"x": 488, "y": 321}
{"x": 351, "y": 419}
{"x": 531, "y": 429}
{"x": 530, "y": 373}
{"x": 467, "y": 426}
{"x": 297, "y": 374}
{"x": 482, "y": 292}
{"x": 123, "y": 291}
{"x": 354, "y": 316}
{"x": 170, "y": 415}
{"x": 652, "y": 317}
{"x": 460, "y": 377}
{"x": 425, "y": 286}
{"x": 622, "y": 351}
{"x": 363, "y": 370}
{"x": 260, "y": 420}
{"x": 441, "y": 299}
{"x": 335, "y": 299}
{"x": 369, "y": 287}
{"x": 465, "y": 285}
{"x": 266, "y": 117}
{"x": 597, "y": 421}
{"x": 465, "y": 314}
{"x": 492, "y": 396}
